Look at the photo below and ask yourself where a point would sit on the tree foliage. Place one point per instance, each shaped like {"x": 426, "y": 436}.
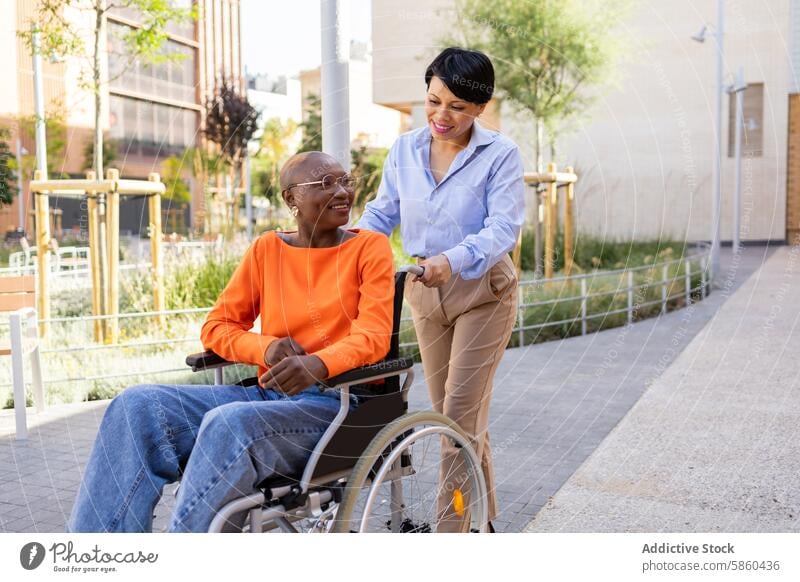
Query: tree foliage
{"x": 274, "y": 150}
{"x": 56, "y": 131}
{"x": 178, "y": 191}
{"x": 7, "y": 186}
{"x": 231, "y": 122}
{"x": 550, "y": 57}
{"x": 368, "y": 170}
{"x": 312, "y": 125}
{"x": 110, "y": 153}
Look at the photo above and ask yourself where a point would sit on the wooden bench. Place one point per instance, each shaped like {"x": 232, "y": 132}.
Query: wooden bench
{"x": 17, "y": 300}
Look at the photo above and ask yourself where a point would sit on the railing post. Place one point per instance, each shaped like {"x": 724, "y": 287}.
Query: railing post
{"x": 583, "y": 306}
{"x": 688, "y": 269}
{"x": 568, "y": 220}
{"x": 630, "y": 297}
{"x": 702, "y": 277}
{"x": 520, "y": 315}
{"x": 664, "y": 275}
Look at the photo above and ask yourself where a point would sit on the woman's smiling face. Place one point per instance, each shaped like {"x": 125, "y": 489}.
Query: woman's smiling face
{"x": 449, "y": 117}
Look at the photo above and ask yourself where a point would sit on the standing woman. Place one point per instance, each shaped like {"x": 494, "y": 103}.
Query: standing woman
{"x": 456, "y": 189}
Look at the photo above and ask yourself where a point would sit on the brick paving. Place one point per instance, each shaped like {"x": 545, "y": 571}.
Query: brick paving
{"x": 553, "y": 405}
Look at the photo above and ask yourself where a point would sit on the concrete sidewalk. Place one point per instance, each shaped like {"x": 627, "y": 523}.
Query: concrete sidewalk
{"x": 553, "y": 405}
{"x": 713, "y": 444}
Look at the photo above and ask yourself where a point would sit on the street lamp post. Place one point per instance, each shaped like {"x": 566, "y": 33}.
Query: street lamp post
{"x": 716, "y": 188}
{"x": 38, "y": 96}
{"x": 335, "y": 89}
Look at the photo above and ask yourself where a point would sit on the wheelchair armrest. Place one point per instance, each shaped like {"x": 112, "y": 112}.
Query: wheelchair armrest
{"x": 367, "y": 373}
{"x": 205, "y": 361}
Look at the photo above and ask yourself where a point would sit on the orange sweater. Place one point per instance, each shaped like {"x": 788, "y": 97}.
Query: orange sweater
{"x": 335, "y": 302}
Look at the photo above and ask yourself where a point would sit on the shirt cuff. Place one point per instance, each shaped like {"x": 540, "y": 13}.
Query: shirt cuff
{"x": 458, "y": 256}
{"x": 334, "y": 360}
{"x": 256, "y": 347}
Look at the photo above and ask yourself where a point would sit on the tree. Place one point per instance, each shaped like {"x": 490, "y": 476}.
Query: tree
{"x": 56, "y": 131}
{"x": 273, "y": 151}
{"x": 177, "y": 194}
{"x": 312, "y": 125}
{"x": 62, "y": 37}
{"x": 178, "y": 191}
{"x": 368, "y": 170}
{"x": 7, "y": 187}
{"x": 110, "y": 152}
{"x": 231, "y": 122}
{"x": 549, "y": 56}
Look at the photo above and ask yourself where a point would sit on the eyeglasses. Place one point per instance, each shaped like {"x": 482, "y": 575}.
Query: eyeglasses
{"x": 329, "y": 183}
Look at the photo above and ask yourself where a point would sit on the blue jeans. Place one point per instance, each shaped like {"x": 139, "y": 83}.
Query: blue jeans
{"x": 228, "y": 438}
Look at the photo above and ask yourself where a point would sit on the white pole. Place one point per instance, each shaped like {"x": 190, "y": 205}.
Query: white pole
{"x": 20, "y": 193}
{"x": 38, "y": 95}
{"x": 335, "y": 89}
{"x": 739, "y": 88}
{"x": 716, "y": 190}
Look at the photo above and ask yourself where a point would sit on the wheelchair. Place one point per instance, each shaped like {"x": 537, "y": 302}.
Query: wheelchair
{"x": 376, "y": 468}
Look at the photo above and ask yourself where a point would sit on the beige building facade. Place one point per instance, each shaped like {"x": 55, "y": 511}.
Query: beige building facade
{"x": 644, "y": 151}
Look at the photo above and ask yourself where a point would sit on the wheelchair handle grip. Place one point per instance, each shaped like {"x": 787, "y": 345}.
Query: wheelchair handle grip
{"x": 417, "y": 270}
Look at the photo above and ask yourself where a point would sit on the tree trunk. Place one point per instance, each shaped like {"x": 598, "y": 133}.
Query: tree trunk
{"x": 102, "y": 241}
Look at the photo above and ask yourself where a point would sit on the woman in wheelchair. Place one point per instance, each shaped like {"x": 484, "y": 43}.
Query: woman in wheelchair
{"x": 325, "y": 297}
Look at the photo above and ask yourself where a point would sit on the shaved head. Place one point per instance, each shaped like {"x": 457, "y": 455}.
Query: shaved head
{"x": 306, "y": 167}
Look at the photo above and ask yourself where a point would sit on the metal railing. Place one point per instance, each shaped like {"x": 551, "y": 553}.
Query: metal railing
{"x": 687, "y": 267}
{"x": 693, "y": 265}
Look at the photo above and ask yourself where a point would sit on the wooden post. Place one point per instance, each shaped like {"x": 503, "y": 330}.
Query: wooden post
{"x": 537, "y": 233}
{"x": 155, "y": 250}
{"x": 551, "y": 220}
{"x": 112, "y": 232}
{"x": 516, "y": 256}
{"x": 568, "y": 226}
{"x": 42, "y": 204}
{"x": 94, "y": 257}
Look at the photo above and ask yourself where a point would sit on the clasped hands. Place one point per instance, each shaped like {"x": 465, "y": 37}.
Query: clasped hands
{"x": 290, "y": 369}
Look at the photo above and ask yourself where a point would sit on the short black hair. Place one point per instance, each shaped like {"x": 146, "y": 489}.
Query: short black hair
{"x": 468, "y": 74}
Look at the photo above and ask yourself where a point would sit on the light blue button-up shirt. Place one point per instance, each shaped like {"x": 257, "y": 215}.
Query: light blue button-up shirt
{"x": 473, "y": 216}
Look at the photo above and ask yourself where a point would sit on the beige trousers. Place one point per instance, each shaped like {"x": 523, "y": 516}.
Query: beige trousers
{"x": 463, "y": 328}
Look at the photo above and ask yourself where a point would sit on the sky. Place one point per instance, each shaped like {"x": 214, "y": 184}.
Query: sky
{"x": 282, "y": 37}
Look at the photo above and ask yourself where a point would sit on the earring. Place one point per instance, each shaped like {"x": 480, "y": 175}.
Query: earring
{"x": 294, "y": 211}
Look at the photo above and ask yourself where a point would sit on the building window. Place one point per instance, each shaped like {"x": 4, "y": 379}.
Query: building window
{"x": 173, "y": 79}
{"x": 151, "y": 129}
{"x": 753, "y": 127}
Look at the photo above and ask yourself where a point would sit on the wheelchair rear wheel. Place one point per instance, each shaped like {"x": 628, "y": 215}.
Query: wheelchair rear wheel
{"x": 418, "y": 475}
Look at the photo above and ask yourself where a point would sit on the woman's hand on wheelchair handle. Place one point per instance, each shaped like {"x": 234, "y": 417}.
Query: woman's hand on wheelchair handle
{"x": 294, "y": 373}
{"x": 281, "y": 349}
{"x": 437, "y": 271}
